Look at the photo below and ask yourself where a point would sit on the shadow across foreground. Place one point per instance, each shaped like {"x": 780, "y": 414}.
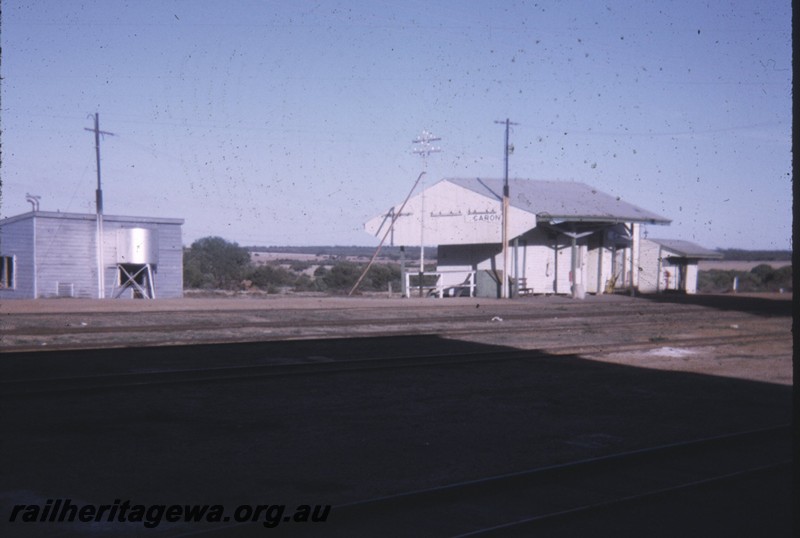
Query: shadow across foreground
{"x": 762, "y": 306}
{"x": 341, "y": 437}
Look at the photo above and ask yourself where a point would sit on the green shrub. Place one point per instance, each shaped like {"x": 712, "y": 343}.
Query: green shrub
{"x": 304, "y": 283}
{"x": 214, "y": 263}
{"x": 379, "y": 277}
{"x": 341, "y": 276}
{"x": 269, "y": 276}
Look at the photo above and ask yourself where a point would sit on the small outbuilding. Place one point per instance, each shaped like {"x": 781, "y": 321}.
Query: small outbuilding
{"x": 671, "y": 265}
{"x": 563, "y": 237}
{"x": 54, "y": 254}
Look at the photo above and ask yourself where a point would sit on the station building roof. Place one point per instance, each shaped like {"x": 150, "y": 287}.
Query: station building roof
{"x": 562, "y": 201}
{"x": 468, "y": 211}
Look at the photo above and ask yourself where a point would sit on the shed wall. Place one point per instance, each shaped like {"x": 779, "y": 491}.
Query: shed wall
{"x": 547, "y": 267}
{"x": 690, "y": 285}
{"x": 16, "y": 241}
{"x": 66, "y": 256}
{"x": 599, "y": 268}
{"x": 650, "y": 279}
{"x": 169, "y": 278}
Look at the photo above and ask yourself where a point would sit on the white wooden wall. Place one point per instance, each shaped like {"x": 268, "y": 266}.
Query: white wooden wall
{"x": 451, "y": 215}
{"x": 545, "y": 261}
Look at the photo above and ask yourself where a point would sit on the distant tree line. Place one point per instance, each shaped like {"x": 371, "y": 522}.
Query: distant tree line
{"x": 740, "y": 255}
{"x": 212, "y": 263}
{"x": 760, "y": 278}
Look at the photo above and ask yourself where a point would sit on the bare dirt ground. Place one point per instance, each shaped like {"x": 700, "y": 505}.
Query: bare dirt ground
{"x": 746, "y": 336}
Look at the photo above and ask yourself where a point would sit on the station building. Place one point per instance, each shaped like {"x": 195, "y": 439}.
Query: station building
{"x": 564, "y": 238}
{"x": 54, "y": 254}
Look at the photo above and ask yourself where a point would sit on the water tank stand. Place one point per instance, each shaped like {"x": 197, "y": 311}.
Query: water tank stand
{"x": 137, "y": 277}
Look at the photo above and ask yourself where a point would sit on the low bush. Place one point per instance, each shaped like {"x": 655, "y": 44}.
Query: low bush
{"x": 761, "y": 278}
{"x": 214, "y": 263}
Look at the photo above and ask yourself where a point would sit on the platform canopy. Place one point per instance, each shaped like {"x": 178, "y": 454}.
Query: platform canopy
{"x": 468, "y": 211}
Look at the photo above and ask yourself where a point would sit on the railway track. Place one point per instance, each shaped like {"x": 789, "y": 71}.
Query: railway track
{"x": 533, "y": 498}
{"x": 552, "y": 500}
{"x": 99, "y": 331}
{"x": 101, "y": 323}
{"x": 31, "y": 386}
{"x": 36, "y": 386}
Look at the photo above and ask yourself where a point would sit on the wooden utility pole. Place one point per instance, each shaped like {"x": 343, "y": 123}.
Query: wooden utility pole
{"x": 504, "y": 214}
{"x": 101, "y": 280}
{"x": 424, "y": 150}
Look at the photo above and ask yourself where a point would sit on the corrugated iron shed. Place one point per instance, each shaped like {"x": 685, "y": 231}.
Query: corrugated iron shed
{"x": 687, "y": 249}
{"x": 54, "y": 254}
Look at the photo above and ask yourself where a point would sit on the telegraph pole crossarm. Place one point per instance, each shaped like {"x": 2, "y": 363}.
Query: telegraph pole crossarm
{"x": 97, "y": 132}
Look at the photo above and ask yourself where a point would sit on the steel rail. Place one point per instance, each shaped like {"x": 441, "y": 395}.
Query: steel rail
{"x": 582, "y": 464}
{"x": 469, "y": 493}
{"x": 42, "y": 385}
{"x": 30, "y": 386}
{"x": 199, "y": 334}
{"x": 532, "y": 521}
{"x": 216, "y": 324}
{"x": 352, "y": 517}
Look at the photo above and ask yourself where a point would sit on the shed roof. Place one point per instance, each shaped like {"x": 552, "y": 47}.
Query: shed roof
{"x": 561, "y": 201}
{"x": 687, "y": 249}
{"x": 90, "y": 216}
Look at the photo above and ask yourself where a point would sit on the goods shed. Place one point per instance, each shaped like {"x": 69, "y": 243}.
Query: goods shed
{"x": 671, "y": 265}
{"x": 54, "y": 254}
{"x": 564, "y": 237}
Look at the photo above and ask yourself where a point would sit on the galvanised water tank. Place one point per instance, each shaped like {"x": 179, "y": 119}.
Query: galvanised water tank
{"x": 137, "y": 246}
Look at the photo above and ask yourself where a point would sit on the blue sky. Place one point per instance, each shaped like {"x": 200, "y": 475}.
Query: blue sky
{"x": 290, "y": 123}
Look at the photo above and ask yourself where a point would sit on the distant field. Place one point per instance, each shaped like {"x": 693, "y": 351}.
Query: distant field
{"x": 704, "y": 265}
{"x": 733, "y": 265}
{"x": 265, "y": 257}
{"x": 261, "y": 257}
